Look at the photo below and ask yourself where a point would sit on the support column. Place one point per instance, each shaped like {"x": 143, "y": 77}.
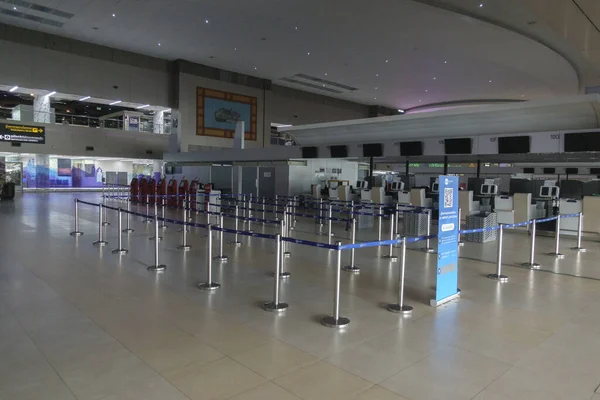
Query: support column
{"x": 42, "y": 171}
{"x": 158, "y": 122}
{"x": 41, "y": 109}
{"x": 445, "y": 165}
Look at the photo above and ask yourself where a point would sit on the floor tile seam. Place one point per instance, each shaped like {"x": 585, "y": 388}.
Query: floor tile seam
{"x": 281, "y": 387}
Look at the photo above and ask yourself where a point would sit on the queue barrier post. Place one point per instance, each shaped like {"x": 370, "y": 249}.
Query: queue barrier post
{"x": 148, "y": 220}
{"x": 335, "y": 321}
{"x": 221, "y": 257}
{"x": 76, "y": 232}
{"x": 286, "y": 223}
{"x": 128, "y": 221}
{"x": 120, "y": 249}
{"x": 329, "y": 233}
{"x": 163, "y": 206}
{"x": 264, "y": 207}
{"x": 282, "y": 273}
{"x": 100, "y": 242}
{"x": 532, "y": 264}
{"x": 105, "y": 221}
{"x": 379, "y": 224}
{"x": 428, "y": 248}
{"x": 579, "y": 234}
{"x": 498, "y": 275}
{"x": 209, "y": 284}
{"x": 157, "y": 266}
{"x": 556, "y": 253}
{"x": 249, "y": 217}
{"x": 235, "y": 241}
{"x": 156, "y": 213}
{"x": 400, "y": 307}
{"x": 275, "y": 305}
{"x": 460, "y": 241}
{"x": 390, "y": 256}
{"x": 184, "y": 244}
{"x": 352, "y": 268}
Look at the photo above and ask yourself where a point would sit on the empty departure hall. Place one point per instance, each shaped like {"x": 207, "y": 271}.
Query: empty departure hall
{"x": 300, "y": 200}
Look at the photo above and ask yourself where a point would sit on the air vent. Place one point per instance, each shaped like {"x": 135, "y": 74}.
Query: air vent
{"x": 15, "y": 144}
{"x": 318, "y": 83}
{"x": 89, "y": 148}
{"x": 31, "y": 12}
{"x": 39, "y": 8}
{"x": 34, "y": 18}
{"x": 148, "y": 151}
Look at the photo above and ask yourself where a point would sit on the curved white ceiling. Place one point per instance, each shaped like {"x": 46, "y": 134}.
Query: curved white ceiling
{"x": 397, "y": 53}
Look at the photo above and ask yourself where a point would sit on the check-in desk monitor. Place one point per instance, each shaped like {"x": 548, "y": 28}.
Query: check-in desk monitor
{"x": 435, "y": 187}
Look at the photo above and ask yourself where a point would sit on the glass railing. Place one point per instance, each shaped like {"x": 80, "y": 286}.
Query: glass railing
{"x": 140, "y": 125}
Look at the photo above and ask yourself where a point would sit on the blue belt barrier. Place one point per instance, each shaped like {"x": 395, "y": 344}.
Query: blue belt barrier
{"x": 310, "y": 243}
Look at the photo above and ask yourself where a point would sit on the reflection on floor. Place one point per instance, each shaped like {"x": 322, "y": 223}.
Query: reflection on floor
{"x": 77, "y": 322}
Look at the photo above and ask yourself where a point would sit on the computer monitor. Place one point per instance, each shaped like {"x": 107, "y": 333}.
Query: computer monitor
{"x": 395, "y": 186}
{"x": 435, "y": 187}
{"x": 489, "y": 190}
{"x": 365, "y": 185}
{"x": 359, "y": 184}
{"x": 545, "y": 191}
{"x": 333, "y": 185}
{"x": 493, "y": 190}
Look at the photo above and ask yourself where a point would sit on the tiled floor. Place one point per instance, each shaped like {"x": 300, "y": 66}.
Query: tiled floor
{"x": 77, "y": 322}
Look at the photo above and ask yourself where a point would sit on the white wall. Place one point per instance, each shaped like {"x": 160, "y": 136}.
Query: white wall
{"x": 39, "y": 68}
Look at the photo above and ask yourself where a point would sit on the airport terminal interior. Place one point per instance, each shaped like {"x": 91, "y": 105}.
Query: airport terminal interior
{"x": 300, "y": 200}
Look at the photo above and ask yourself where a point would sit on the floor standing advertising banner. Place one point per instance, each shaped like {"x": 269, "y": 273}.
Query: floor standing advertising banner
{"x": 448, "y": 225}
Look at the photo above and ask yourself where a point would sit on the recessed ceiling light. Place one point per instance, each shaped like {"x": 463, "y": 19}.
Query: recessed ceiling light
{"x": 400, "y": 110}
{"x": 308, "y": 54}
{"x": 255, "y": 68}
{"x": 374, "y": 98}
{"x": 84, "y": 98}
{"x": 426, "y": 90}
{"x": 114, "y": 15}
{"x": 375, "y": 87}
{"x": 480, "y": 5}
{"x": 490, "y": 81}
{"x": 323, "y": 85}
{"x": 296, "y": 28}
{"x": 445, "y": 62}
{"x": 32, "y": 94}
{"x": 386, "y": 61}
{"x": 235, "y": 49}
{"x": 206, "y": 21}
{"x": 434, "y": 78}
{"x": 114, "y": 102}
{"x": 159, "y": 43}
{"x": 419, "y": 101}
{"x": 13, "y": 89}
{"x": 144, "y": 106}
{"x": 325, "y": 73}
{"x": 51, "y": 94}
{"x": 376, "y": 74}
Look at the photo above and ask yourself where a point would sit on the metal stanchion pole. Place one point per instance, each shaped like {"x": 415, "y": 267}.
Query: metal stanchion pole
{"x": 335, "y": 321}
{"x": 579, "y": 235}
{"x": 128, "y": 222}
{"x": 156, "y": 214}
{"x": 390, "y": 256}
{"x": 379, "y": 223}
{"x": 275, "y": 305}
{"x": 352, "y": 268}
{"x": 498, "y": 275}
{"x": 76, "y": 232}
{"x": 397, "y": 219}
{"x": 286, "y": 224}
{"x": 157, "y": 267}
{"x": 329, "y": 233}
{"x": 249, "y": 219}
{"x": 460, "y": 241}
{"x": 283, "y": 274}
{"x": 162, "y": 206}
{"x": 276, "y": 207}
{"x": 100, "y": 242}
{"x": 184, "y": 244}
{"x": 105, "y": 221}
{"x": 209, "y": 284}
{"x": 235, "y": 241}
{"x": 557, "y": 252}
{"x": 221, "y": 257}
{"x": 264, "y": 207}
{"x": 120, "y": 249}
{"x": 428, "y": 248}
{"x": 148, "y": 219}
{"x": 401, "y": 308}
{"x": 294, "y": 220}
{"x": 532, "y": 264}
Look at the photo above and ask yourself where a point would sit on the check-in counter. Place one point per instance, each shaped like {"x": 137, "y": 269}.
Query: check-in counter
{"x": 505, "y": 209}
{"x": 570, "y": 206}
{"x": 418, "y": 198}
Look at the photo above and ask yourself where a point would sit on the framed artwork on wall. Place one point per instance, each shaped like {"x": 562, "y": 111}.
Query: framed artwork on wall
{"x": 217, "y": 113}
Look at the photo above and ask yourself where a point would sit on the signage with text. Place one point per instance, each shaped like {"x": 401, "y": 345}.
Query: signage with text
{"x": 22, "y": 134}
{"x": 447, "y": 265}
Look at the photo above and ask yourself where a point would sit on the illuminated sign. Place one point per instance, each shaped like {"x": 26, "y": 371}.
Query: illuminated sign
{"x": 22, "y": 134}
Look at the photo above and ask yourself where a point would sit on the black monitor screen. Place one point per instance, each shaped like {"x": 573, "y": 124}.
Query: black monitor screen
{"x": 338, "y": 151}
{"x": 549, "y": 170}
{"x": 513, "y": 144}
{"x": 408, "y": 149}
{"x": 580, "y": 142}
{"x": 64, "y": 166}
{"x": 595, "y": 171}
{"x": 529, "y": 170}
{"x": 458, "y": 146}
{"x": 310, "y": 152}
{"x": 372, "y": 150}
{"x": 572, "y": 171}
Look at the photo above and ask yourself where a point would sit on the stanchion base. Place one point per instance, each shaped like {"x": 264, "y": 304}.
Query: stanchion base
{"x": 339, "y": 323}
{"x": 287, "y": 254}
{"x": 392, "y": 258}
{"x": 461, "y": 244}
{"x": 100, "y": 243}
{"x": 579, "y": 249}
{"x": 282, "y": 275}
{"x": 499, "y": 278}
{"x": 186, "y": 247}
{"x": 120, "y": 251}
{"x": 128, "y": 230}
{"x": 157, "y": 268}
{"x": 557, "y": 255}
{"x": 76, "y": 233}
{"x": 351, "y": 268}
{"x": 398, "y": 309}
{"x": 272, "y": 307}
{"x": 209, "y": 286}
{"x": 221, "y": 258}
{"x": 105, "y": 223}
{"x": 235, "y": 244}
{"x": 530, "y": 265}
{"x": 154, "y": 237}
{"x": 428, "y": 250}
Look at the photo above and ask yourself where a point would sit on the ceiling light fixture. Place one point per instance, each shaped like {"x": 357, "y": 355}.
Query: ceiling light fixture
{"x": 325, "y": 73}
{"x": 13, "y": 89}
{"x": 32, "y": 94}
{"x": 159, "y": 43}
{"x": 426, "y": 90}
{"x": 206, "y": 21}
{"x": 144, "y": 106}
{"x": 401, "y": 110}
{"x": 255, "y": 68}
{"x": 308, "y": 54}
{"x": 114, "y": 102}
{"x": 114, "y": 15}
{"x": 296, "y": 28}
{"x": 235, "y": 49}
{"x": 84, "y": 98}
{"x": 375, "y": 87}
{"x": 434, "y": 78}
{"x": 445, "y": 62}
{"x": 386, "y": 61}
{"x": 51, "y": 94}
{"x": 490, "y": 81}
{"x": 376, "y": 74}
{"x": 480, "y": 5}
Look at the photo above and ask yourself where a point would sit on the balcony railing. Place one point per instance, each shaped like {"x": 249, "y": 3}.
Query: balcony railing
{"x": 142, "y": 124}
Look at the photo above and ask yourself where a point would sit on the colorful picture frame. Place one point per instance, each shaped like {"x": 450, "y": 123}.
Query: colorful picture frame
{"x": 218, "y": 111}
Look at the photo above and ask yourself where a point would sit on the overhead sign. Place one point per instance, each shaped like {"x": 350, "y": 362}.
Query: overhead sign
{"x": 448, "y": 226}
{"x": 22, "y": 134}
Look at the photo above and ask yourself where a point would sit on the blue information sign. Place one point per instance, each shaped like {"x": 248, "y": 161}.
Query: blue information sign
{"x": 448, "y": 225}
